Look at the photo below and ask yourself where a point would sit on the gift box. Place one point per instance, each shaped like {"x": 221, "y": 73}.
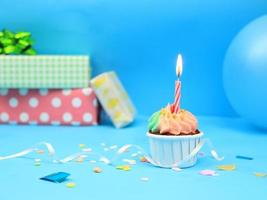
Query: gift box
{"x": 53, "y": 107}
{"x": 114, "y": 99}
{"x": 44, "y": 71}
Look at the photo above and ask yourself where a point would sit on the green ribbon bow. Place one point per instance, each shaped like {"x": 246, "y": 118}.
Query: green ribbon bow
{"x": 19, "y": 43}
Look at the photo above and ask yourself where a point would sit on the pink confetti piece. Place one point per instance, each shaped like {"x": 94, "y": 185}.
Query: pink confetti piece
{"x": 208, "y": 172}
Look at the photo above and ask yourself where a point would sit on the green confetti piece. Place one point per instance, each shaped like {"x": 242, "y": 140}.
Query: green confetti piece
{"x": 9, "y": 49}
{"x": 20, "y": 35}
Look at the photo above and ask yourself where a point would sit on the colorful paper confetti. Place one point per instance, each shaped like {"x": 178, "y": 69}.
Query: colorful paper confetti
{"x": 71, "y": 185}
{"x": 124, "y": 167}
{"x": 97, "y": 170}
{"x": 226, "y": 167}
{"x": 80, "y": 160}
{"x": 143, "y": 159}
{"x": 208, "y": 172}
{"x": 144, "y": 179}
{"x": 87, "y": 150}
{"x": 37, "y": 162}
{"x": 129, "y": 161}
{"x": 40, "y": 151}
{"x": 244, "y": 157}
{"x": 259, "y": 174}
{"x": 176, "y": 169}
{"x": 113, "y": 147}
{"x": 82, "y": 146}
{"x": 134, "y": 154}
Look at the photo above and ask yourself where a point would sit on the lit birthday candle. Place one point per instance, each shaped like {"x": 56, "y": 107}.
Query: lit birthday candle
{"x": 179, "y": 69}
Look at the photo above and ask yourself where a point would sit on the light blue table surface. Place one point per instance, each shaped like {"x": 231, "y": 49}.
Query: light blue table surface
{"x": 19, "y": 178}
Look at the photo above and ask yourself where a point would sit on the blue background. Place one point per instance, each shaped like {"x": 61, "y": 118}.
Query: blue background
{"x": 140, "y": 41}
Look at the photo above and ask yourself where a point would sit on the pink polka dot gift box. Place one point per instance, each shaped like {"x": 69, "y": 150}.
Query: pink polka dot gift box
{"x": 50, "y": 107}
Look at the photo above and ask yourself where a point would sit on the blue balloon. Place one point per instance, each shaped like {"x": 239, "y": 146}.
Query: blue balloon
{"x": 245, "y": 72}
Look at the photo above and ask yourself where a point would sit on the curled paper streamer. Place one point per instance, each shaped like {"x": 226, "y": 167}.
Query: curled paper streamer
{"x": 194, "y": 152}
{"x": 49, "y": 147}
{"x": 120, "y": 151}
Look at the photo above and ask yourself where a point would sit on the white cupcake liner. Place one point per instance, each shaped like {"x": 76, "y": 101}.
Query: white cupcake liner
{"x": 174, "y": 151}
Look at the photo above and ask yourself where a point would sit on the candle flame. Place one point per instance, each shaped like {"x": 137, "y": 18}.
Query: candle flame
{"x": 179, "y": 65}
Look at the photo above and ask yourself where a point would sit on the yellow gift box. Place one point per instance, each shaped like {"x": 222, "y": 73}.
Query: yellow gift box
{"x": 114, "y": 98}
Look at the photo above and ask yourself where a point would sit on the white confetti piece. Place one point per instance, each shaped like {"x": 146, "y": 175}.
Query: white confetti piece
{"x": 92, "y": 161}
{"x": 87, "y": 149}
{"x": 208, "y": 172}
{"x": 113, "y": 147}
{"x": 134, "y": 154}
{"x": 37, "y": 160}
{"x": 106, "y": 149}
{"x": 104, "y": 160}
{"x": 177, "y": 169}
{"x": 144, "y": 179}
{"x": 103, "y": 144}
{"x": 130, "y": 162}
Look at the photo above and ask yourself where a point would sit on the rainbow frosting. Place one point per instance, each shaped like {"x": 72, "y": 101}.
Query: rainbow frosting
{"x": 165, "y": 122}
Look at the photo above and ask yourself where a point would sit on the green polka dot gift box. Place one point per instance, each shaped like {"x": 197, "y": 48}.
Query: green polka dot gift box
{"x": 44, "y": 71}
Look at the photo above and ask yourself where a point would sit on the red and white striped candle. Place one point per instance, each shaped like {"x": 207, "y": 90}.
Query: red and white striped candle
{"x": 179, "y": 69}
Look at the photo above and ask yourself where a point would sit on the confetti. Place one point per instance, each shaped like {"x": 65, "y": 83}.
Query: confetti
{"x": 130, "y": 162}
{"x": 103, "y": 144}
{"x": 87, "y": 149}
{"x": 104, "y": 160}
{"x": 70, "y": 185}
{"x": 37, "y": 162}
{"x": 82, "y": 146}
{"x": 244, "y": 157}
{"x": 57, "y": 177}
{"x": 143, "y": 159}
{"x": 92, "y": 161}
{"x": 97, "y": 170}
{"x": 144, "y": 179}
{"x": 134, "y": 154}
{"x": 177, "y": 169}
{"x": 259, "y": 174}
{"x": 113, "y": 147}
{"x": 208, "y": 172}
{"x": 226, "y": 167}
{"x": 124, "y": 167}
{"x": 40, "y": 151}
{"x": 80, "y": 159}
{"x": 201, "y": 154}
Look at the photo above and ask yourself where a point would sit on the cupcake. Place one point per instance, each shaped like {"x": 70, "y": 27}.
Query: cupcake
{"x": 174, "y": 138}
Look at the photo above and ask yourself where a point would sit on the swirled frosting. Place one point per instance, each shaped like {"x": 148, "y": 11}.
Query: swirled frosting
{"x": 167, "y": 123}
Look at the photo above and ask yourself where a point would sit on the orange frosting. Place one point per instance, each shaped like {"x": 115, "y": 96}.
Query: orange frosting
{"x": 183, "y": 122}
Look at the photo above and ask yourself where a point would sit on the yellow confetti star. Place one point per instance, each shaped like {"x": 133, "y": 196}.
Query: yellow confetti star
{"x": 226, "y": 167}
{"x": 124, "y": 167}
{"x": 82, "y": 146}
{"x": 70, "y": 185}
{"x": 258, "y": 174}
